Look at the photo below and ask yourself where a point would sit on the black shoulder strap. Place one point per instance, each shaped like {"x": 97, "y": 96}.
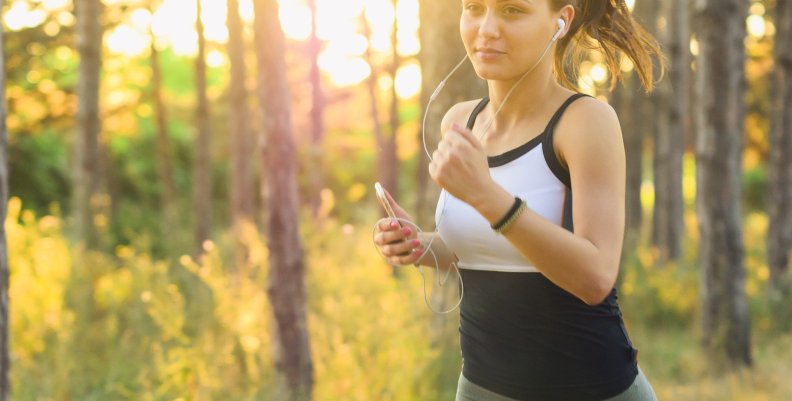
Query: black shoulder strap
{"x": 480, "y": 106}
{"x": 547, "y": 143}
{"x": 560, "y": 112}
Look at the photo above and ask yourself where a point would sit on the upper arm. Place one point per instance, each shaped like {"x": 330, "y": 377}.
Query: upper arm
{"x": 591, "y": 143}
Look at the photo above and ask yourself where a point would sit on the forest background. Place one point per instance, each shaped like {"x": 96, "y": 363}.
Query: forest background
{"x": 189, "y": 201}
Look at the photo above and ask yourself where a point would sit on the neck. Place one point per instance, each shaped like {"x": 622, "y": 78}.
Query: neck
{"x": 528, "y": 97}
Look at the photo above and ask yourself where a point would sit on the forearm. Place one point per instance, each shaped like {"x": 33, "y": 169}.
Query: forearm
{"x": 570, "y": 261}
{"x": 445, "y": 257}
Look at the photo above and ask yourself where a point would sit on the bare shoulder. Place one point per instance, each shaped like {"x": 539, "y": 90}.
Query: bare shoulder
{"x": 588, "y": 124}
{"x": 458, "y": 113}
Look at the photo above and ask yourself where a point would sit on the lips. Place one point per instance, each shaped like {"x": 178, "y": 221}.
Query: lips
{"x": 489, "y": 50}
{"x": 488, "y": 54}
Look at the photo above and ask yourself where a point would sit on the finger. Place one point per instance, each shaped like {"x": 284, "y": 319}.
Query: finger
{"x": 408, "y": 259}
{"x": 387, "y": 224}
{"x": 466, "y": 134}
{"x": 391, "y": 237}
{"x": 443, "y": 145}
{"x": 399, "y": 249}
{"x": 438, "y": 155}
{"x": 433, "y": 170}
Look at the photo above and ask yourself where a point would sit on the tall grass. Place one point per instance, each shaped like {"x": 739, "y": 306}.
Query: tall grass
{"x": 126, "y": 326}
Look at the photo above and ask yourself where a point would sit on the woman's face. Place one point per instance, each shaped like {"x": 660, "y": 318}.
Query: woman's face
{"x": 505, "y": 38}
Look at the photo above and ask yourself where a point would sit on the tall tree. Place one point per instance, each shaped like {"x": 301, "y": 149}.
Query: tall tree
{"x": 286, "y": 287}
{"x": 317, "y": 114}
{"x": 86, "y": 148}
{"x": 386, "y": 152}
{"x": 5, "y": 386}
{"x": 441, "y": 50}
{"x": 779, "y": 237}
{"x": 202, "y": 182}
{"x": 389, "y": 171}
{"x": 241, "y": 138}
{"x": 623, "y": 100}
{"x": 719, "y": 134}
{"x": 667, "y": 226}
{"x": 164, "y": 166}
{"x": 641, "y": 109}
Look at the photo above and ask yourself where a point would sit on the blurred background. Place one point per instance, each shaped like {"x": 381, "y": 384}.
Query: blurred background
{"x": 188, "y": 192}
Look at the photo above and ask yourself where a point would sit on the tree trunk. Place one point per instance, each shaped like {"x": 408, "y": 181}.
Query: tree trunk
{"x": 5, "y": 363}
{"x": 317, "y": 116}
{"x": 86, "y": 148}
{"x": 389, "y": 173}
{"x": 441, "y": 50}
{"x": 286, "y": 287}
{"x": 647, "y": 107}
{"x": 624, "y": 104}
{"x": 241, "y": 139}
{"x": 667, "y": 227}
{"x": 779, "y": 236}
{"x": 719, "y": 122}
{"x": 164, "y": 166}
{"x": 384, "y": 162}
{"x": 202, "y": 190}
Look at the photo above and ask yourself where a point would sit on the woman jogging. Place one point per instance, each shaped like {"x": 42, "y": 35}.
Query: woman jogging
{"x": 533, "y": 205}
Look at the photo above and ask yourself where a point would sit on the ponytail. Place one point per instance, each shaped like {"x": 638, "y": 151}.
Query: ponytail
{"x": 607, "y": 26}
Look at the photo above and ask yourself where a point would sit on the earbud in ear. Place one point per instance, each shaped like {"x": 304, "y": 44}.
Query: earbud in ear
{"x": 561, "y": 26}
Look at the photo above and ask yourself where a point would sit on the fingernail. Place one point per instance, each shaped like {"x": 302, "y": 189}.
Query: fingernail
{"x": 416, "y": 242}
{"x": 407, "y": 231}
{"x": 418, "y": 252}
{"x": 393, "y": 224}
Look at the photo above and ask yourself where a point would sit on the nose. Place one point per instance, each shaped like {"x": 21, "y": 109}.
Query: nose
{"x": 488, "y": 28}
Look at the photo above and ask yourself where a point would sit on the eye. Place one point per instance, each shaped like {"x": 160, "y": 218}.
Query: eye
{"x": 512, "y": 10}
{"x": 472, "y": 7}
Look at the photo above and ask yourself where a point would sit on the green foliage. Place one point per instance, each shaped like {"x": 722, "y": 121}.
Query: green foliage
{"x": 94, "y": 326}
{"x": 39, "y": 170}
{"x": 755, "y": 189}
{"x": 127, "y": 326}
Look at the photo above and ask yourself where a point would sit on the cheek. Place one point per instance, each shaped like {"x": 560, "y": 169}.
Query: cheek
{"x": 467, "y": 31}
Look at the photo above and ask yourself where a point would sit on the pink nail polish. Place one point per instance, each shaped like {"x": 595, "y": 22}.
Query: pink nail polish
{"x": 416, "y": 242}
{"x": 407, "y": 231}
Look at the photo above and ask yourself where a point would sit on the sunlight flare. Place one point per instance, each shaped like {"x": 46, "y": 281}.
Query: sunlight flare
{"x": 408, "y": 81}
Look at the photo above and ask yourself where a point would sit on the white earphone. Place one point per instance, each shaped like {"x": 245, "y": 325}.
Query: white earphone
{"x": 561, "y": 26}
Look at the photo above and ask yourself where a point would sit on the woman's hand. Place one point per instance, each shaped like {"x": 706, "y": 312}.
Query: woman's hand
{"x": 398, "y": 240}
{"x": 459, "y": 165}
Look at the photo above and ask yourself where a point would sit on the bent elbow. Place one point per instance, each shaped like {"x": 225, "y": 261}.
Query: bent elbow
{"x": 596, "y": 299}
{"x": 598, "y": 292}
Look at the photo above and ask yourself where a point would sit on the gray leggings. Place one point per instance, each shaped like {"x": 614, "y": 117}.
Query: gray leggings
{"x": 640, "y": 390}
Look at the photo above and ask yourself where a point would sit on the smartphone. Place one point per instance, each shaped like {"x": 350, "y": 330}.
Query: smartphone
{"x": 383, "y": 200}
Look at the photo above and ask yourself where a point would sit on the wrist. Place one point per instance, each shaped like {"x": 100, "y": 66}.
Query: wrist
{"x": 482, "y": 198}
{"x": 492, "y": 203}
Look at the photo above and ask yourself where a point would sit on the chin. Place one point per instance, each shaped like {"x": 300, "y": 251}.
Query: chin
{"x": 489, "y": 74}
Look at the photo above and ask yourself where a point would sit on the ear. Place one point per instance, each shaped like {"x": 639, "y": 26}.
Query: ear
{"x": 567, "y": 14}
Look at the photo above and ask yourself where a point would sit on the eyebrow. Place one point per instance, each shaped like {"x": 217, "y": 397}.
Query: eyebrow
{"x": 527, "y": 2}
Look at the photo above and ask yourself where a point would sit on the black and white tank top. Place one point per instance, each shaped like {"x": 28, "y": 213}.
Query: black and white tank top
{"x": 521, "y": 335}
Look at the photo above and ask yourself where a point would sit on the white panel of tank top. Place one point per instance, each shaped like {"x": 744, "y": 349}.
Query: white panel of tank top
{"x": 469, "y": 235}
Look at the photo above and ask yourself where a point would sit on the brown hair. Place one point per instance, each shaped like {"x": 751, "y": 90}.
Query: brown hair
{"x": 607, "y": 26}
